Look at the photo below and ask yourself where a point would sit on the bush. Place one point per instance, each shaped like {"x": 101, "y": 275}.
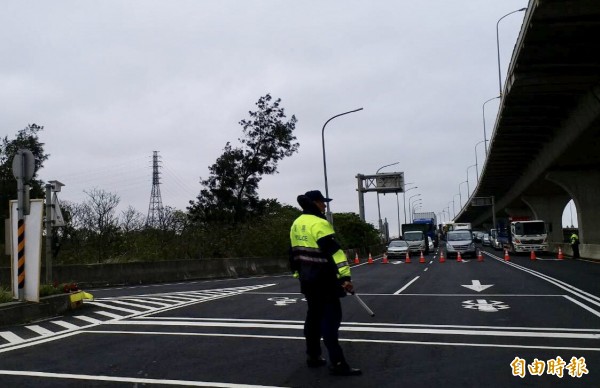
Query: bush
{"x": 5, "y": 296}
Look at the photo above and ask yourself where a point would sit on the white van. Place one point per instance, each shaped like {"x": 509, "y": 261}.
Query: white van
{"x": 460, "y": 241}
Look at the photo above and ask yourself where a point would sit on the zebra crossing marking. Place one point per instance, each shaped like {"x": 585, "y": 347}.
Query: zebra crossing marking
{"x": 148, "y": 303}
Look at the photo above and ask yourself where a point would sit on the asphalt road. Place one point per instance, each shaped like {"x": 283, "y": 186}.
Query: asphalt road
{"x": 495, "y": 323}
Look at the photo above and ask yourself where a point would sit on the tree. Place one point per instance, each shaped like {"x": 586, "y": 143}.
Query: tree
{"x": 352, "y": 232}
{"x": 230, "y": 192}
{"x": 26, "y": 138}
{"x": 99, "y": 219}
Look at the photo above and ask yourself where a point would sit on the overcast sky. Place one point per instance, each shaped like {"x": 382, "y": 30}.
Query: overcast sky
{"x": 113, "y": 81}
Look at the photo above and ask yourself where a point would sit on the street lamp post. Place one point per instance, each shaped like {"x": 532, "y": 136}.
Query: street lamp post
{"x": 468, "y": 190}
{"x": 398, "y": 209}
{"x": 418, "y": 202}
{"x": 459, "y": 194}
{"x": 411, "y": 197}
{"x": 498, "y": 47}
{"x": 404, "y": 197}
{"x": 484, "y": 132}
{"x": 328, "y": 213}
{"x": 378, "y": 208}
{"x": 476, "y": 165}
{"x": 453, "y": 210}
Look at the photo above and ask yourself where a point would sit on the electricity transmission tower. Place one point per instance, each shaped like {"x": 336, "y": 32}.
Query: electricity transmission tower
{"x": 155, "y": 208}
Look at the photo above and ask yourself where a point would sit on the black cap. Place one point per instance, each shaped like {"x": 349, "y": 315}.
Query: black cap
{"x": 315, "y": 195}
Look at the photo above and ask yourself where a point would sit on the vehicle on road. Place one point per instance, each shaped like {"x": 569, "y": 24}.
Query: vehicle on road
{"x": 460, "y": 241}
{"x": 527, "y": 236}
{"x": 477, "y": 236}
{"x": 417, "y": 241}
{"x": 397, "y": 248}
{"x": 427, "y": 223}
{"x": 486, "y": 240}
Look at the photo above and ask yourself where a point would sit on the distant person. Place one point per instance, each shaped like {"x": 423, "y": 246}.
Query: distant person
{"x": 575, "y": 245}
{"x": 324, "y": 273}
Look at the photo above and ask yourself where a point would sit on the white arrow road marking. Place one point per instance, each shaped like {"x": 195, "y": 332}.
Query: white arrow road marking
{"x": 477, "y": 286}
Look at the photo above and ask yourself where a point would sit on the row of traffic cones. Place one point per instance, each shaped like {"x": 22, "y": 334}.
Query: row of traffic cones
{"x": 459, "y": 259}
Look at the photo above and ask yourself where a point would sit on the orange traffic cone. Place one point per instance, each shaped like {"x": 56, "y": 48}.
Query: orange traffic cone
{"x": 458, "y": 258}
{"x": 407, "y": 261}
{"x": 356, "y": 259}
{"x": 422, "y": 258}
{"x": 370, "y": 261}
{"x": 506, "y": 256}
{"x": 479, "y": 256}
{"x": 532, "y": 256}
{"x": 560, "y": 254}
{"x": 385, "y": 259}
{"x": 442, "y": 258}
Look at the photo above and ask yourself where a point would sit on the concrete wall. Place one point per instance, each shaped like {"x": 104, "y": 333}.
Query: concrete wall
{"x": 588, "y": 251}
{"x": 160, "y": 271}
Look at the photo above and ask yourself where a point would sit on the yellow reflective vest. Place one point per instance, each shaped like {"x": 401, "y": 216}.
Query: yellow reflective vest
{"x": 312, "y": 263}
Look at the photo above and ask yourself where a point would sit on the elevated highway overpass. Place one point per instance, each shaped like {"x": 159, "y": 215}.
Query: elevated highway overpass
{"x": 545, "y": 146}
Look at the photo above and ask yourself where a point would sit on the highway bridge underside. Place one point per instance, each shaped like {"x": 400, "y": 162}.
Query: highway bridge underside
{"x": 545, "y": 148}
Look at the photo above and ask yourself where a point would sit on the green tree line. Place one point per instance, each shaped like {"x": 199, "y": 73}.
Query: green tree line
{"x": 226, "y": 219}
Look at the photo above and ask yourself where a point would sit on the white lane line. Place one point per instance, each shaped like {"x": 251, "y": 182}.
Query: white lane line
{"x": 381, "y": 329}
{"x": 11, "y": 337}
{"x": 141, "y": 306}
{"x": 160, "y": 301}
{"x": 39, "y": 330}
{"x": 107, "y": 314}
{"x": 559, "y": 283}
{"x": 406, "y": 286}
{"x": 88, "y": 319}
{"x": 133, "y": 380}
{"x": 66, "y": 325}
{"x": 357, "y": 340}
{"x": 377, "y": 324}
{"x": 591, "y": 310}
{"x": 110, "y": 307}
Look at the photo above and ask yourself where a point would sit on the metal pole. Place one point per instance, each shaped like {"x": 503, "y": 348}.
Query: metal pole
{"x": 484, "y": 131}
{"x": 363, "y": 304}
{"x": 476, "y": 166}
{"x": 398, "y": 207}
{"x": 378, "y": 208}
{"x": 498, "y": 48}
{"x": 48, "y": 234}
{"x": 468, "y": 190}
{"x": 328, "y": 212}
{"x": 494, "y": 214}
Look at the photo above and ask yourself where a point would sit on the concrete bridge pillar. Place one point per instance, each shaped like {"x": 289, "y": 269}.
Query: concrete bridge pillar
{"x": 584, "y": 188}
{"x": 549, "y": 209}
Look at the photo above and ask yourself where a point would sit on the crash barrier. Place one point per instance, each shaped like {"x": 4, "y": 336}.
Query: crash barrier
{"x": 86, "y": 275}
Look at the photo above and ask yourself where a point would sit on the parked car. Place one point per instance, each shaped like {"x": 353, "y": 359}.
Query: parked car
{"x": 397, "y": 248}
{"x": 460, "y": 241}
{"x": 486, "y": 240}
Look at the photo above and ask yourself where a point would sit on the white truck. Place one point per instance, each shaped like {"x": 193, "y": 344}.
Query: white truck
{"x": 527, "y": 236}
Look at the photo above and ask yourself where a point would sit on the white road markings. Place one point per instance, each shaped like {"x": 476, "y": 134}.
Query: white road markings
{"x": 134, "y": 380}
{"x": 406, "y": 286}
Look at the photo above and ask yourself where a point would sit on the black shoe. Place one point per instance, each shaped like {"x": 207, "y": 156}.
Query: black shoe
{"x": 315, "y": 362}
{"x": 343, "y": 369}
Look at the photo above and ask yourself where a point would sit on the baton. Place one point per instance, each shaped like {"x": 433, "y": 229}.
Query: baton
{"x": 363, "y": 304}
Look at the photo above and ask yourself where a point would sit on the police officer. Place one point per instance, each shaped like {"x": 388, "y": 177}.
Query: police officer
{"x": 324, "y": 273}
{"x": 575, "y": 245}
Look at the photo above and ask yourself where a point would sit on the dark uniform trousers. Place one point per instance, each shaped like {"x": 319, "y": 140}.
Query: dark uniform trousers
{"x": 323, "y": 319}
